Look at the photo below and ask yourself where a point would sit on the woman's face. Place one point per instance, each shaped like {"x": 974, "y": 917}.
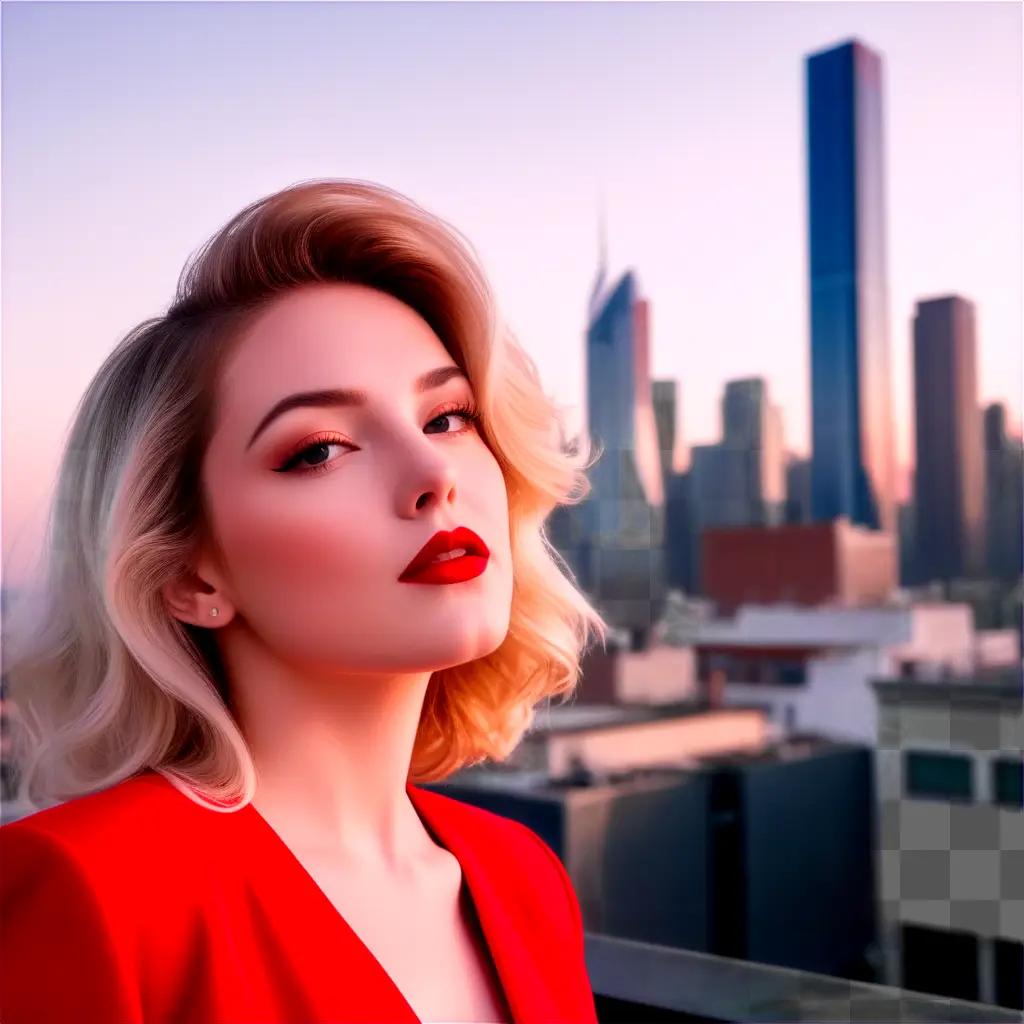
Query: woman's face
{"x": 317, "y": 511}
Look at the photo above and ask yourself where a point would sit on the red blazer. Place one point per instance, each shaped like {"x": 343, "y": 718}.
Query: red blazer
{"x": 135, "y": 904}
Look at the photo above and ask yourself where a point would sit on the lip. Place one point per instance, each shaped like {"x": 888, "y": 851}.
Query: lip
{"x": 423, "y": 568}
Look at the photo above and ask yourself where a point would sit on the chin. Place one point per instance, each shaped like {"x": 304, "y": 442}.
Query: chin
{"x": 446, "y": 649}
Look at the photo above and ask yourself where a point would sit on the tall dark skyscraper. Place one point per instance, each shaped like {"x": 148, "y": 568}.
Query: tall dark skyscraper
{"x": 852, "y": 467}
{"x": 950, "y": 477}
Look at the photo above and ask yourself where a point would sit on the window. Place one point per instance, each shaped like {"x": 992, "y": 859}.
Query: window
{"x": 792, "y": 673}
{"x": 1009, "y": 963}
{"x": 939, "y": 961}
{"x": 1007, "y": 779}
{"x": 934, "y": 774}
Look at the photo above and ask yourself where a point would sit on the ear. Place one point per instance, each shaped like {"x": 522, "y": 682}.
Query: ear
{"x": 191, "y": 599}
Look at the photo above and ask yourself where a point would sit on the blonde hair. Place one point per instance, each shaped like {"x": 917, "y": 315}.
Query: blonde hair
{"x": 105, "y": 682}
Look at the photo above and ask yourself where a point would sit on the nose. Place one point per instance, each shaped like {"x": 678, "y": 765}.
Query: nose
{"x": 430, "y": 479}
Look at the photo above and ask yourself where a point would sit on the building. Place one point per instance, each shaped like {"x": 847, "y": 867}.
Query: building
{"x": 1004, "y": 478}
{"x": 949, "y": 479}
{"x": 811, "y": 668}
{"x": 741, "y": 480}
{"x": 668, "y": 418}
{"x": 708, "y": 848}
{"x": 951, "y": 849}
{"x": 906, "y": 516}
{"x": 798, "y": 489}
{"x": 668, "y": 415}
{"x": 852, "y": 471}
{"x": 616, "y": 545}
{"x": 806, "y": 564}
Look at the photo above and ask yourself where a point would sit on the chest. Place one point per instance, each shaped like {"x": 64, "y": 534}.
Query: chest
{"x": 427, "y": 938}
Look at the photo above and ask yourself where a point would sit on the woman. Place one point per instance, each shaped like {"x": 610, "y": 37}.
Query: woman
{"x": 296, "y": 565}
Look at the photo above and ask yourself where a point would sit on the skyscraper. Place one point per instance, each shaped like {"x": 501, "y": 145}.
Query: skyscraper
{"x": 852, "y": 470}
{"x": 674, "y": 458}
{"x": 1004, "y": 477}
{"x": 752, "y": 422}
{"x": 741, "y": 480}
{"x": 614, "y": 539}
{"x": 668, "y": 419}
{"x": 950, "y": 477}
{"x": 625, "y": 527}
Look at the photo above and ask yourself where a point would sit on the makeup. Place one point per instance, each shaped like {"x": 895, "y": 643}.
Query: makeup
{"x": 448, "y": 557}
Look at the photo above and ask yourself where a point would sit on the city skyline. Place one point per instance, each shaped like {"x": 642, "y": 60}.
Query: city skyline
{"x": 194, "y": 138}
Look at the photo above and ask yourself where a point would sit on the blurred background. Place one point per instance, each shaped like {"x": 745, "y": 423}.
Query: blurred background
{"x": 769, "y": 257}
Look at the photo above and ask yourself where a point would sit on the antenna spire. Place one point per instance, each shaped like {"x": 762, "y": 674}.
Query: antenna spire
{"x": 602, "y": 247}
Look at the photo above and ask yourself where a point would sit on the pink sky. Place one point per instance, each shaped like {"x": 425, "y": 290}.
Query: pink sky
{"x": 131, "y": 132}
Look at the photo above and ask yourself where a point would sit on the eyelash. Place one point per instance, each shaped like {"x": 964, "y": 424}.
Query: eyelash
{"x": 466, "y": 410}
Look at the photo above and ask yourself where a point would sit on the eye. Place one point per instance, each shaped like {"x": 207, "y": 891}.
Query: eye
{"x": 466, "y": 411}
{"x": 320, "y": 443}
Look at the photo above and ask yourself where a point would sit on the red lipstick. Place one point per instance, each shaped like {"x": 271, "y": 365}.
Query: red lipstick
{"x": 471, "y": 562}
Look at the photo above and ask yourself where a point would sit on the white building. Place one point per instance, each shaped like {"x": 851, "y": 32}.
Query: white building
{"x": 810, "y": 668}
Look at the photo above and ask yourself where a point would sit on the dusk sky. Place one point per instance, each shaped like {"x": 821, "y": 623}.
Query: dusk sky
{"x": 132, "y": 132}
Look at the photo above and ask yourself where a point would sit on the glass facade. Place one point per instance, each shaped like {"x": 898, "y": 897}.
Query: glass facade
{"x": 622, "y": 561}
{"x": 852, "y": 470}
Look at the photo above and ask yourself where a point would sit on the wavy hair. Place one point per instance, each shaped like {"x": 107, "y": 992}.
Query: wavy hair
{"x": 105, "y": 682}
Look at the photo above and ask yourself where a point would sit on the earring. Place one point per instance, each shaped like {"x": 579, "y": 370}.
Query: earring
{"x": 213, "y": 611}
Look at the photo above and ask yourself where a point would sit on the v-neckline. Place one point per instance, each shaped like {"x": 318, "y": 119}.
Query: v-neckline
{"x": 447, "y": 839}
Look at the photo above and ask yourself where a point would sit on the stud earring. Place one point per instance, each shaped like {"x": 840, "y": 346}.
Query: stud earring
{"x": 213, "y": 611}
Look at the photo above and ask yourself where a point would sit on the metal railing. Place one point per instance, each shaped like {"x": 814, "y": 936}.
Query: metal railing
{"x": 639, "y": 982}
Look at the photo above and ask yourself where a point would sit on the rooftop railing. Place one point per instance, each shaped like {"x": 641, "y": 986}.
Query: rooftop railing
{"x": 640, "y": 983}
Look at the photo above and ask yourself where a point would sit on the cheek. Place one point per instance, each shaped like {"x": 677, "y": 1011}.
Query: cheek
{"x": 484, "y": 473}
{"x": 307, "y": 541}
{"x": 497, "y": 498}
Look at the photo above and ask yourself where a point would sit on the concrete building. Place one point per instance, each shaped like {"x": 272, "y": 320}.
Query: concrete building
{"x": 951, "y": 835}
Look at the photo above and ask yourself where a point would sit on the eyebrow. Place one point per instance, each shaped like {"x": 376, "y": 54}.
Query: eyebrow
{"x": 332, "y": 397}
